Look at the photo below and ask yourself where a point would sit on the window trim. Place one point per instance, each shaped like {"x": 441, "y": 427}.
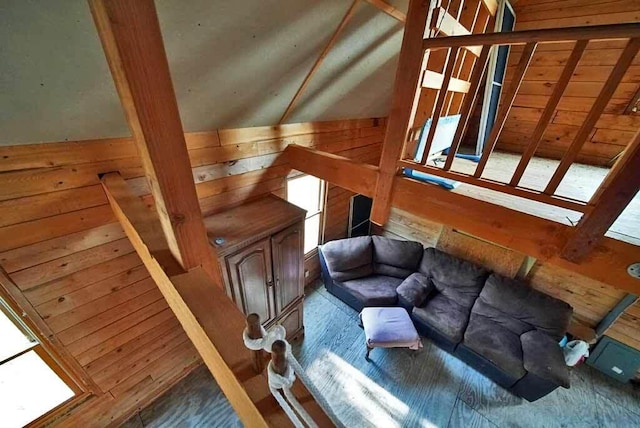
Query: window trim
{"x": 47, "y": 348}
{"x": 321, "y": 207}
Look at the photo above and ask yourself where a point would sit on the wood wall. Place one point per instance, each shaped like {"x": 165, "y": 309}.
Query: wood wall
{"x": 614, "y": 130}
{"x": 69, "y": 258}
{"x": 591, "y": 300}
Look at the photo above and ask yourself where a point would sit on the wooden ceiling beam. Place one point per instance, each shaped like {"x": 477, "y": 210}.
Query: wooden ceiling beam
{"x": 341, "y": 171}
{"x": 528, "y": 234}
{"x": 130, "y": 34}
{"x": 613, "y": 196}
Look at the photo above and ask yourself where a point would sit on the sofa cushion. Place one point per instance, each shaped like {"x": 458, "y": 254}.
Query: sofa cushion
{"x": 415, "y": 289}
{"x": 496, "y": 343}
{"x": 457, "y": 279}
{"x": 373, "y": 290}
{"x": 519, "y": 304}
{"x": 349, "y": 259}
{"x": 543, "y": 357}
{"x": 445, "y": 315}
{"x": 393, "y": 257}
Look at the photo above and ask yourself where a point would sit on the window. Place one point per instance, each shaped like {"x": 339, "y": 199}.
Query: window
{"x": 31, "y": 383}
{"x": 307, "y": 192}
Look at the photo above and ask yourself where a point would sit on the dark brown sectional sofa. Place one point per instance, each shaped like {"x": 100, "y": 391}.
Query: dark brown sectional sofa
{"x": 502, "y": 327}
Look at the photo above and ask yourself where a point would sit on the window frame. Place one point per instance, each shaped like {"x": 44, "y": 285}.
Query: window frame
{"x": 17, "y": 308}
{"x": 322, "y": 194}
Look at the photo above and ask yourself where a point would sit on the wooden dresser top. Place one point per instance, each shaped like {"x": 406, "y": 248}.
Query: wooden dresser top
{"x": 251, "y": 222}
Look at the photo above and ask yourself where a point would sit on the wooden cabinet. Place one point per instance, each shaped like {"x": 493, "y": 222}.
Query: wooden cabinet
{"x": 251, "y": 280}
{"x": 260, "y": 249}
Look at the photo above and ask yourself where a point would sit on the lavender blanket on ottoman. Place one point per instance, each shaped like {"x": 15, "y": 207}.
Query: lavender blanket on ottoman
{"x": 389, "y": 328}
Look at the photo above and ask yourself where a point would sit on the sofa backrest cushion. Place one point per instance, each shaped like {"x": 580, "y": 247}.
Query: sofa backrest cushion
{"x": 522, "y": 308}
{"x": 349, "y": 259}
{"x": 396, "y": 258}
{"x": 456, "y": 278}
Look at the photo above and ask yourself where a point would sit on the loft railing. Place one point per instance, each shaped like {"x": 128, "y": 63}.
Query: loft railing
{"x": 479, "y": 45}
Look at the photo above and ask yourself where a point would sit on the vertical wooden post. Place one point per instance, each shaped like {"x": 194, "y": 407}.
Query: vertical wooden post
{"x": 279, "y": 357}
{"x": 255, "y": 332}
{"x": 130, "y": 34}
{"x": 408, "y": 81}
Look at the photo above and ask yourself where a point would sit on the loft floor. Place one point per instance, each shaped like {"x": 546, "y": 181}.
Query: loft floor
{"x": 580, "y": 183}
{"x": 427, "y": 388}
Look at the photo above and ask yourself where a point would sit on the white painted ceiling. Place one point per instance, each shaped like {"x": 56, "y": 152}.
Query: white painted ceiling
{"x": 234, "y": 64}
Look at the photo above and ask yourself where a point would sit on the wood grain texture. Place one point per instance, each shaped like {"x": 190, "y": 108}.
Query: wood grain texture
{"x": 403, "y": 108}
{"x": 139, "y": 66}
{"x": 611, "y": 199}
{"x": 587, "y": 79}
{"x": 76, "y": 279}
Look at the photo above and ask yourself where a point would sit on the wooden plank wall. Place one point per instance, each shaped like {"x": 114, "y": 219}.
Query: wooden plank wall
{"x": 591, "y": 300}
{"x": 614, "y": 130}
{"x": 63, "y": 248}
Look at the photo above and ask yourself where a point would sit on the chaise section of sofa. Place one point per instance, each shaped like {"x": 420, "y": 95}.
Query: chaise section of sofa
{"x": 515, "y": 329}
{"x": 366, "y": 271}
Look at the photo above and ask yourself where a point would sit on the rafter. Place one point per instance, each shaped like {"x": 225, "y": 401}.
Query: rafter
{"x": 336, "y": 34}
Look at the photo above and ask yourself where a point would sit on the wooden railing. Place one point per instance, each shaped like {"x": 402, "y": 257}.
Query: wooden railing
{"x": 481, "y": 45}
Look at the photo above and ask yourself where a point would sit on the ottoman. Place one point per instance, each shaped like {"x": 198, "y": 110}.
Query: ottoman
{"x": 388, "y": 328}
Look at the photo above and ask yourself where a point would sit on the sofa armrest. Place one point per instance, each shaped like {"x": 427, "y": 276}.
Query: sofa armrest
{"x": 414, "y": 290}
{"x": 543, "y": 357}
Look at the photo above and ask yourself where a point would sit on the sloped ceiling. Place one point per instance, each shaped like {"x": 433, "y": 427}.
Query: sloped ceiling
{"x": 233, "y": 63}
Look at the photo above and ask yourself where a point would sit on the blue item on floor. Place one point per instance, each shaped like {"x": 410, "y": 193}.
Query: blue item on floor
{"x": 428, "y": 178}
{"x": 472, "y": 158}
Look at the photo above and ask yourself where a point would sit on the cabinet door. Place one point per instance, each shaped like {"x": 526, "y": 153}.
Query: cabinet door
{"x": 288, "y": 265}
{"x": 251, "y": 280}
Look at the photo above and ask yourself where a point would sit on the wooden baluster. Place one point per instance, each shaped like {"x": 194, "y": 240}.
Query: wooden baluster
{"x": 451, "y": 61}
{"x": 549, "y": 109}
{"x": 467, "y": 106}
{"x": 507, "y": 101}
{"x": 279, "y": 357}
{"x": 627, "y": 56}
{"x": 255, "y": 332}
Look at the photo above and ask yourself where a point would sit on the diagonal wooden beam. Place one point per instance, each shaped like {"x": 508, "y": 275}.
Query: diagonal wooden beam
{"x": 403, "y": 106}
{"x": 388, "y": 9}
{"x": 336, "y": 34}
{"x": 549, "y": 109}
{"x": 623, "y": 63}
{"x": 211, "y": 320}
{"x": 506, "y": 101}
{"x": 130, "y": 34}
{"x": 613, "y": 196}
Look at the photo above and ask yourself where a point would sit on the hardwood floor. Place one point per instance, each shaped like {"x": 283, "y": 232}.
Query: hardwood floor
{"x": 400, "y": 387}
